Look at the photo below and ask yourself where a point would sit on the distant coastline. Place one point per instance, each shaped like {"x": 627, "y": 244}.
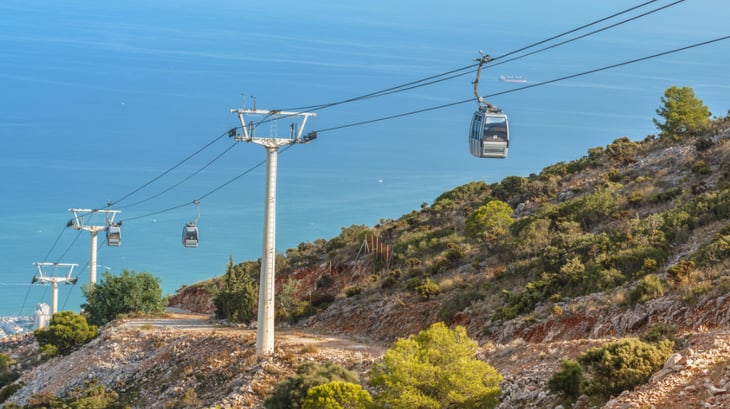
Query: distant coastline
{"x": 10, "y": 326}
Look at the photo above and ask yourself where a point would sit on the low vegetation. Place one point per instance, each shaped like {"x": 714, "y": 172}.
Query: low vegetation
{"x": 115, "y": 296}
{"x": 66, "y": 332}
{"x": 437, "y": 368}
{"x": 632, "y": 221}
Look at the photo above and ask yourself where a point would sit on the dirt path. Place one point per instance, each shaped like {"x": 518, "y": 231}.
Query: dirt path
{"x": 182, "y": 320}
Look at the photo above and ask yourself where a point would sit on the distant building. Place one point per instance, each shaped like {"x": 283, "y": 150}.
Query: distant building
{"x": 42, "y": 316}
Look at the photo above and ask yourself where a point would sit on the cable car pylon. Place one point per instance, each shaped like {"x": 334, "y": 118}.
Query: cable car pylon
{"x": 42, "y": 278}
{"x": 489, "y": 130}
{"x": 265, "y": 323}
{"x": 113, "y": 233}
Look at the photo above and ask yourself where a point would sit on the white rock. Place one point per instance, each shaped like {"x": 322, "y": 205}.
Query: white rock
{"x": 673, "y": 362}
{"x": 713, "y": 389}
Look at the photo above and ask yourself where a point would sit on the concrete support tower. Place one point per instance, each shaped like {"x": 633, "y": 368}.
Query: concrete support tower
{"x": 265, "y": 323}
{"x": 78, "y": 223}
{"x": 42, "y": 278}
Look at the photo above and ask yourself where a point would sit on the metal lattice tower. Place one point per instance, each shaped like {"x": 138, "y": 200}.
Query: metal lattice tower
{"x": 272, "y": 143}
{"x": 78, "y": 223}
{"x": 42, "y": 278}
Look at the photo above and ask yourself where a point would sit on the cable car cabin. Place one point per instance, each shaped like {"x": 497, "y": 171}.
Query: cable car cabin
{"x": 489, "y": 134}
{"x": 113, "y": 236}
{"x": 190, "y": 236}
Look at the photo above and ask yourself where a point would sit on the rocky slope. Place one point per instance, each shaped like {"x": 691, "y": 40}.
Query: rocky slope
{"x": 185, "y": 361}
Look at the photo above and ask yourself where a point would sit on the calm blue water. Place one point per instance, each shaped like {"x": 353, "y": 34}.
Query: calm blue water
{"x": 97, "y": 99}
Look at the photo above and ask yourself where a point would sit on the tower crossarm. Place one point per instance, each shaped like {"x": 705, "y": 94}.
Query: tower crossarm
{"x": 248, "y": 129}
{"x": 43, "y": 277}
{"x": 79, "y": 223}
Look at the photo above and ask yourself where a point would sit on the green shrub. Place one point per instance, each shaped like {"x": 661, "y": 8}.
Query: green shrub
{"x": 568, "y": 380}
{"x": 338, "y": 395}
{"x": 324, "y": 282}
{"x": 8, "y": 391}
{"x": 5, "y": 362}
{"x": 622, "y": 365}
{"x": 622, "y": 150}
{"x": 321, "y": 300}
{"x": 489, "y": 222}
{"x": 8, "y": 377}
{"x": 701, "y": 168}
{"x": 353, "y": 290}
{"x": 659, "y": 332}
{"x": 458, "y": 303}
{"x": 428, "y": 288}
{"x": 648, "y": 287}
{"x": 435, "y": 369}
{"x": 236, "y": 300}
{"x": 128, "y": 293}
{"x": 557, "y": 310}
{"x": 290, "y": 393}
{"x": 66, "y": 332}
{"x": 680, "y": 272}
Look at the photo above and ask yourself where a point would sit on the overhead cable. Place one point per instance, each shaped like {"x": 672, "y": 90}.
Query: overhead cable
{"x": 458, "y": 71}
{"x": 156, "y": 195}
{"x": 216, "y": 139}
{"x": 580, "y": 74}
{"x": 491, "y": 64}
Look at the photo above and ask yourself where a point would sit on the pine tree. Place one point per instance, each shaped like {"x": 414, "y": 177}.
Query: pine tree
{"x": 684, "y": 114}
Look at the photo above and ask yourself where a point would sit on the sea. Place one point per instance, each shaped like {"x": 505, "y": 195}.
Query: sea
{"x": 127, "y": 106}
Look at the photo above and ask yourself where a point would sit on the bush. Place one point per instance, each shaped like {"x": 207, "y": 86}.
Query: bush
{"x": 128, "y": 293}
{"x": 8, "y": 391}
{"x": 353, "y": 290}
{"x": 5, "y": 362}
{"x": 428, "y": 288}
{"x": 66, "y": 332}
{"x": 290, "y": 393}
{"x": 622, "y": 365}
{"x": 236, "y": 300}
{"x": 338, "y": 395}
{"x": 458, "y": 303}
{"x": 568, "y": 380}
{"x": 701, "y": 168}
{"x": 489, "y": 222}
{"x": 437, "y": 368}
{"x": 649, "y": 287}
{"x": 659, "y": 332}
{"x": 680, "y": 272}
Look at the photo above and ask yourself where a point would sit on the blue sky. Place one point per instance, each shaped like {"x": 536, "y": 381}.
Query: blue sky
{"x": 100, "y": 97}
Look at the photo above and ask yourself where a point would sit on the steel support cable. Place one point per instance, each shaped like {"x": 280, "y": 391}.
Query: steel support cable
{"x": 580, "y": 36}
{"x": 419, "y": 83}
{"x": 55, "y": 243}
{"x": 580, "y": 74}
{"x": 555, "y": 37}
{"x": 435, "y": 78}
{"x": 182, "y": 180}
{"x": 216, "y": 139}
{"x": 387, "y": 91}
{"x": 68, "y": 295}
{"x": 210, "y": 192}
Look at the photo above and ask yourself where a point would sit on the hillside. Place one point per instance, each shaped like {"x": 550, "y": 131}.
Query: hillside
{"x": 606, "y": 246}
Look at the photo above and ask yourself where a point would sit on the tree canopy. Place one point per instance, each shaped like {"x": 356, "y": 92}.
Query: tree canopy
{"x": 129, "y": 292}
{"x": 338, "y": 395}
{"x": 65, "y": 332}
{"x": 489, "y": 222}
{"x": 684, "y": 114}
{"x": 435, "y": 369}
{"x": 236, "y": 300}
